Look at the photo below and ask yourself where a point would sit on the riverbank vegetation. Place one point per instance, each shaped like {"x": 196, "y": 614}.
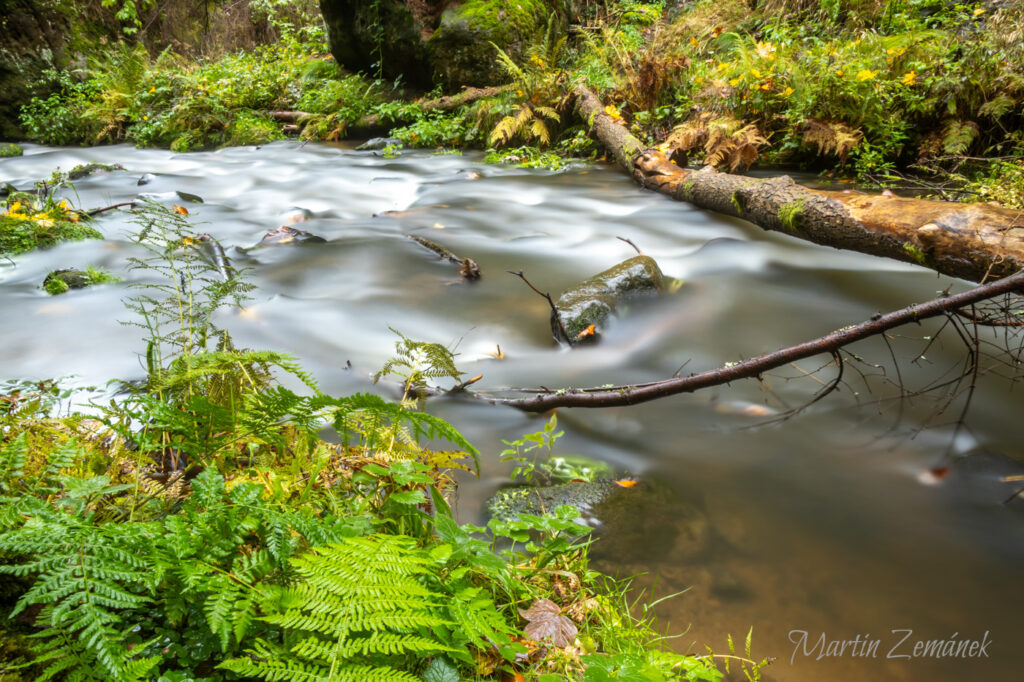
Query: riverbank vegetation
{"x": 197, "y": 525}
{"x": 922, "y": 93}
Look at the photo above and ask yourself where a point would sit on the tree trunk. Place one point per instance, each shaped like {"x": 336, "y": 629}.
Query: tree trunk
{"x": 976, "y": 242}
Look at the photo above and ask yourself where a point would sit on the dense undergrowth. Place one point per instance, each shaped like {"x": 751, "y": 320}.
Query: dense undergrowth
{"x": 872, "y": 88}
{"x": 197, "y": 526}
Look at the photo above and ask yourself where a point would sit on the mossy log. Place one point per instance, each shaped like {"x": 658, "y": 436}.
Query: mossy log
{"x": 372, "y": 122}
{"x": 976, "y": 242}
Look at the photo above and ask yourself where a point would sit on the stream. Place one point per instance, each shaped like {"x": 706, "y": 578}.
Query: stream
{"x": 824, "y": 523}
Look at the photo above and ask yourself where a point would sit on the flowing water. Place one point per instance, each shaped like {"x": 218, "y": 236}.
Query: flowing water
{"x": 819, "y": 523}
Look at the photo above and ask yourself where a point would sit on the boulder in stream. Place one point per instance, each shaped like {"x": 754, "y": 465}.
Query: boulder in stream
{"x": 62, "y": 281}
{"x": 376, "y": 143}
{"x": 584, "y": 309}
{"x": 290, "y": 235}
{"x": 634, "y": 518}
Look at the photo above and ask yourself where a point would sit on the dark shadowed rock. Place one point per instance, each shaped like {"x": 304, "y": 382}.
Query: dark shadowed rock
{"x": 437, "y": 41}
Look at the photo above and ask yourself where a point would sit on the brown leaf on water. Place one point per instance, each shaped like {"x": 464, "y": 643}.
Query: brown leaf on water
{"x": 547, "y": 622}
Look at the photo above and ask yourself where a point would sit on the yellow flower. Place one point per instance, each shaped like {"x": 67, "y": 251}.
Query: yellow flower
{"x": 693, "y": 41}
{"x": 152, "y": 90}
{"x": 15, "y": 207}
{"x": 63, "y": 205}
{"x": 145, "y": 117}
{"x": 537, "y": 60}
{"x": 766, "y": 50}
{"x": 978, "y": 12}
{"x": 613, "y": 112}
{"x": 757, "y": 74}
{"x": 698, "y": 80}
{"x": 865, "y": 75}
{"x": 910, "y": 78}
{"x": 73, "y": 217}
{"x": 788, "y": 91}
{"x": 839, "y": 72}
{"x": 734, "y": 82}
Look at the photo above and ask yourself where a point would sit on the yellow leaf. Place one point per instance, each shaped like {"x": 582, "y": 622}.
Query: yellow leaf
{"x": 693, "y": 41}
{"x": 612, "y": 111}
{"x": 766, "y": 50}
{"x": 788, "y": 91}
{"x": 152, "y": 90}
{"x": 180, "y": 210}
{"x": 865, "y": 75}
{"x": 910, "y": 78}
{"x": 978, "y": 12}
{"x": 625, "y": 483}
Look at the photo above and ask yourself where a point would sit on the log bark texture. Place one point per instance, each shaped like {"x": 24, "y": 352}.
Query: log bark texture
{"x": 976, "y": 242}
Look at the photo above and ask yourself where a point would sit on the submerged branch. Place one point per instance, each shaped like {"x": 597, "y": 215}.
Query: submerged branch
{"x": 617, "y": 396}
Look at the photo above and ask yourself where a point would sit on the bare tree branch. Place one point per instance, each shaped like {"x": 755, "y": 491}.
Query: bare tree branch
{"x": 618, "y": 396}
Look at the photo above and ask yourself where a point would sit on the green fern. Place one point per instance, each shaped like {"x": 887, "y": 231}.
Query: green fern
{"x": 360, "y": 608}
{"x": 87, "y": 577}
{"x": 417, "y": 361}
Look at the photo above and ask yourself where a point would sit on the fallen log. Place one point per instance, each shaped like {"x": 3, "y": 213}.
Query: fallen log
{"x": 619, "y": 396}
{"x": 976, "y": 242}
{"x": 373, "y": 122}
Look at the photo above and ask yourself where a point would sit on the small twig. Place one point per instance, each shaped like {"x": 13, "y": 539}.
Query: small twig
{"x": 554, "y": 310}
{"x": 467, "y": 266}
{"x": 630, "y": 242}
{"x": 97, "y": 211}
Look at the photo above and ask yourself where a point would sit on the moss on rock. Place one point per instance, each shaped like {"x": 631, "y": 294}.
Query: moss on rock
{"x": 463, "y": 46}
{"x": 593, "y": 301}
{"x": 9, "y": 149}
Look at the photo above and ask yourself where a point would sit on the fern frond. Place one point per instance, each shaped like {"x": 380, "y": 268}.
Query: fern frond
{"x": 831, "y": 137}
{"x": 13, "y": 459}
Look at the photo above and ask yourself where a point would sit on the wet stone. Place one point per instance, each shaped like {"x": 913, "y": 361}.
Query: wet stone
{"x": 377, "y": 143}
{"x": 594, "y": 301}
{"x": 290, "y": 235}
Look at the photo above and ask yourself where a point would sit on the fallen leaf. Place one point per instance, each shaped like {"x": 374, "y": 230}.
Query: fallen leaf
{"x": 591, "y": 330}
{"x": 625, "y": 483}
{"x": 547, "y": 622}
{"x": 180, "y": 210}
{"x": 498, "y": 354}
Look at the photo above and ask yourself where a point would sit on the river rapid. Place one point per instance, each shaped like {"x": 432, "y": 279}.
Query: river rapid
{"x": 817, "y": 530}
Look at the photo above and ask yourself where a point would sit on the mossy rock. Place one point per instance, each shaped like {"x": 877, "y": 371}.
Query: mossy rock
{"x": 508, "y": 503}
{"x": 20, "y": 236}
{"x": 436, "y": 41}
{"x": 462, "y": 48}
{"x": 594, "y": 301}
{"x": 9, "y": 149}
{"x": 87, "y": 169}
{"x": 62, "y": 281}
{"x": 646, "y": 520}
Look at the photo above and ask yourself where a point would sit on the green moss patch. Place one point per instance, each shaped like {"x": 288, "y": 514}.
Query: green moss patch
{"x": 8, "y": 149}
